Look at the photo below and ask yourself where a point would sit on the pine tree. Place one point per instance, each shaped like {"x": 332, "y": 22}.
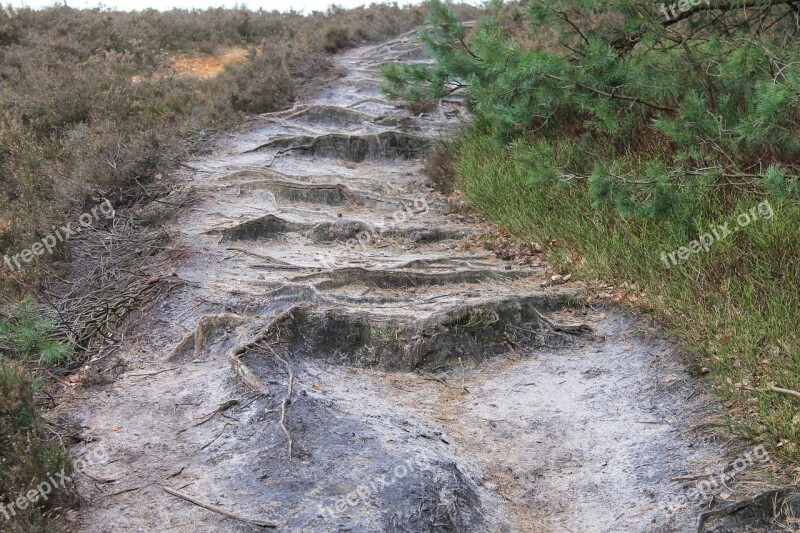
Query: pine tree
{"x": 650, "y": 106}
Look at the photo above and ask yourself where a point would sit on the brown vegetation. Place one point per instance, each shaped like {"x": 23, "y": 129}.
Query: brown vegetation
{"x": 439, "y": 166}
{"x": 88, "y": 113}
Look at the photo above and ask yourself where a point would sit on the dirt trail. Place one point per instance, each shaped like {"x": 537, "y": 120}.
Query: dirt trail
{"x": 435, "y": 386}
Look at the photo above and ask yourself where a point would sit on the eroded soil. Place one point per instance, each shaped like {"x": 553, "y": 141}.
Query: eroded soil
{"x": 206, "y": 65}
{"x": 435, "y": 387}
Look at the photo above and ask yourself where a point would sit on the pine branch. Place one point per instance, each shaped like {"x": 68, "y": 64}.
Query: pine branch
{"x": 613, "y": 95}
{"x": 625, "y": 44}
{"x": 577, "y": 29}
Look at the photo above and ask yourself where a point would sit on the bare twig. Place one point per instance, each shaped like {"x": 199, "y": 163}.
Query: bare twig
{"x": 221, "y": 511}
{"x": 223, "y": 407}
{"x": 152, "y": 373}
{"x": 123, "y": 491}
{"x": 576, "y": 28}
{"x": 212, "y": 441}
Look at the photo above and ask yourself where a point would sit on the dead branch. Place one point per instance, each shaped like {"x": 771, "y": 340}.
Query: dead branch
{"x": 219, "y": 510}
{"x": 108, "y": 277}
{"x": 784, "y": 391}
{"x": 170, "y": 369}
{"x": 123, "y": 491}
{"x": 212, "y": 441}
{"x": 222, "y": 408}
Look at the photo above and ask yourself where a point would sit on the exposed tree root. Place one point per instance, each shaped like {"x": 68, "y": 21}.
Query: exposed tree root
{"x": 287, "y": 399}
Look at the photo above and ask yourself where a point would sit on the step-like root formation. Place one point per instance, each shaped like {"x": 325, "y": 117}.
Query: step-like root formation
{"x": 470, "y": 333}
{"x": 355, "y": 148}
{"x": 403, "y": 279}
{"x": 333, "y": 194}
{"x": 354, "y": 232}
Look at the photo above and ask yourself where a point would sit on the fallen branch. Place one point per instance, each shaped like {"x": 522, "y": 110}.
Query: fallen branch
{"x": 219, "y": 510}
{"x": 287, "y": 399}
{"x": 123, "y": 491}
{"x": 212, "y": 441}
{"x": 690, "y": 478}
{"x": 152, "y": 373}
{"x": 785, "y": 391}
{"x": 222, "y": 408}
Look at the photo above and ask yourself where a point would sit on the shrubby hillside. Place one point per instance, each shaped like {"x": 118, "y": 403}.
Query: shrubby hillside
{"x": 88, "y": 111}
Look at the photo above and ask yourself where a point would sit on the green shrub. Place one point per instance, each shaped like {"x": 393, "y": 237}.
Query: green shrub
{"x": 27, "y": 456}
{"x": 30, "y": 337}
{"x": 652, "y": 115}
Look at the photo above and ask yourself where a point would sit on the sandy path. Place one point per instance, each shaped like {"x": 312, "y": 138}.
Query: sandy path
{"x": 434, "y": 388}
